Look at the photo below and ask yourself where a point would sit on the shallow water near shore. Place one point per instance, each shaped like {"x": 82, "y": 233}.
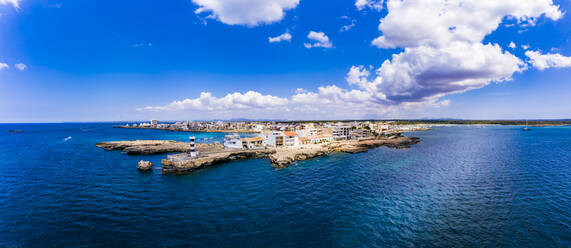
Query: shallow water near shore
{"x": 461, "y": 186}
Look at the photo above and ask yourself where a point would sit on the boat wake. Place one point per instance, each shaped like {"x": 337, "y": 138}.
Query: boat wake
{"x": 68, "y": 138}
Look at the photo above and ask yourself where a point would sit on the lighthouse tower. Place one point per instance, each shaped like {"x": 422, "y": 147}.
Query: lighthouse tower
{"x": 193, "y": 152}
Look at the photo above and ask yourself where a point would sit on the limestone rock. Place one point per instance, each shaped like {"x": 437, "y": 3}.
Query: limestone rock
{"x": 145, "y": 165}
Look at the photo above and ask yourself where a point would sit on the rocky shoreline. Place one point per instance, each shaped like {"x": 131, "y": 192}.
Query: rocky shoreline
{"x": 212, "y": 154}
{"x": 150, "y": 147}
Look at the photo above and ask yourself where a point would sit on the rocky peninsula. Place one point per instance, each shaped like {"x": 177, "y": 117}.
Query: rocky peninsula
{"x": 149, "y": 147}
{"x": 212, "y": 154}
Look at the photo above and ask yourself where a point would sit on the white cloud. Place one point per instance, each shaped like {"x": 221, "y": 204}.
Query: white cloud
{"x": 143, "y": 44}
{"x": 283, "y": 37}
{"x": 4, "y": 66}
{"x": 443, "y": 51}
{"x": 438, "y": 23}
{"x": 525, "y": 47}
{"x": 207, "y": 102}
{"x": 549, "y": 60}
{"x": 426, "y": 73}
{"x": 512, "y": 45}
{"x": 245, "y": 12}
{"x": 319, "y": 39}
{"x": 373, "y": 4}
{"x": 15, "y": 3}
{"x": 21, "y": 66}
{"x": 347, "y": 27}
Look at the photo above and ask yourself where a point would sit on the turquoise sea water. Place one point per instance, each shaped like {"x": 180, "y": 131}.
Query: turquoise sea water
{"x": 460, "y": 187}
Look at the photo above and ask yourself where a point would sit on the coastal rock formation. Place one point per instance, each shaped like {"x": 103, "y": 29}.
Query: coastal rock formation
{"x": 365, "y": 145}
{"x": 145, "y": 165}
{"x": 181, "y": 163}
{"x": 353, "y": 149}
{"x": 148, "y": 147}
{"x": 286, "y": 156}
{"x": 211, "y": 154}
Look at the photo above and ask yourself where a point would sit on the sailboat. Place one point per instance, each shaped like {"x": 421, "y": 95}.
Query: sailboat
{"x": 526, "y": 128}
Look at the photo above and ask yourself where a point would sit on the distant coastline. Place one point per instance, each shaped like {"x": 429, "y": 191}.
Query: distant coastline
{"x": 188, "y": 130}
{"x": 534, "y": 123}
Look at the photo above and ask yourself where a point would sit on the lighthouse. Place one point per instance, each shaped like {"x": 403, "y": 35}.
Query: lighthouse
{"x": 193, "y": 152}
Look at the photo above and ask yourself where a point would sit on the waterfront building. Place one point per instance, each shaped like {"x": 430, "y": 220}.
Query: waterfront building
{"x": 233, "y": 141}
{"x": 320, "y": 139}
{"x": 275, "y": 139}
{"x": 154, "y": 122}
{"x": 253, "y": 142}
{"x": 341, "y": 132}
{"x": 291, "y": 139}
{"x": 360, "y": 134}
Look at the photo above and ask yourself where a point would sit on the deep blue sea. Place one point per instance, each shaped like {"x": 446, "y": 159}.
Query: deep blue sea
{"x": 460, "y": 187}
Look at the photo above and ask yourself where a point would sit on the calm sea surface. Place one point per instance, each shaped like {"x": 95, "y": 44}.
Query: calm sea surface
{"x": 460, "y": 187}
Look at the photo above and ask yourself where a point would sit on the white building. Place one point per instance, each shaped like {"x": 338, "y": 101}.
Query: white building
{"x": 154, "y": 122}
{"x": 233, "y": 141}
{"x": 308, "y": 132}
{"x": 259, "y": 127}
{"x": 253, "y": 142}
{"x": 312, "y": 131}
{"x": 341, "y": 132}
{"x": 291, "y": 139}
{"x": 274, "y": 139}
{"x": 320, "y": 139}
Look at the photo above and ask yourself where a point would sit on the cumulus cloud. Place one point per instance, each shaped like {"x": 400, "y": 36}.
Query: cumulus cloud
{"x": 207, "y": 102}
{"x": 426, "y": 73}
{"x": 549, "y": 60}
{"x": 438, "y": 23}
{"x": 283, "y": 37}
{"x": 4, "y": 66}
{"x": 15, "y": 3}
{"x": 373, "y": 4}
{"x": 245, "y": 12}
{"x": 330, "y": 94}
{"x": 21, "y": 66}
{"x": 318, "y": 39}
{"x": 443, "y": 51}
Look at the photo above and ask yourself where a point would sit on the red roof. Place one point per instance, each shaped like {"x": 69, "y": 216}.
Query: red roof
{"x": 290, "y": 133}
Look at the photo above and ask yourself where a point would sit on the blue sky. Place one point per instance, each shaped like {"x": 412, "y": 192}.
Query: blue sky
{"x": 133, "y": 60}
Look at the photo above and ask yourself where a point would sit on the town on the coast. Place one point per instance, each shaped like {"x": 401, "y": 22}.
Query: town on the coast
{"x": 282, "y": 142}
{"x": 306, "y": 131}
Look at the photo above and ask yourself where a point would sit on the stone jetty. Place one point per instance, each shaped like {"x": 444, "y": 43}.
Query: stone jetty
{"x": 212, "y": 154}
